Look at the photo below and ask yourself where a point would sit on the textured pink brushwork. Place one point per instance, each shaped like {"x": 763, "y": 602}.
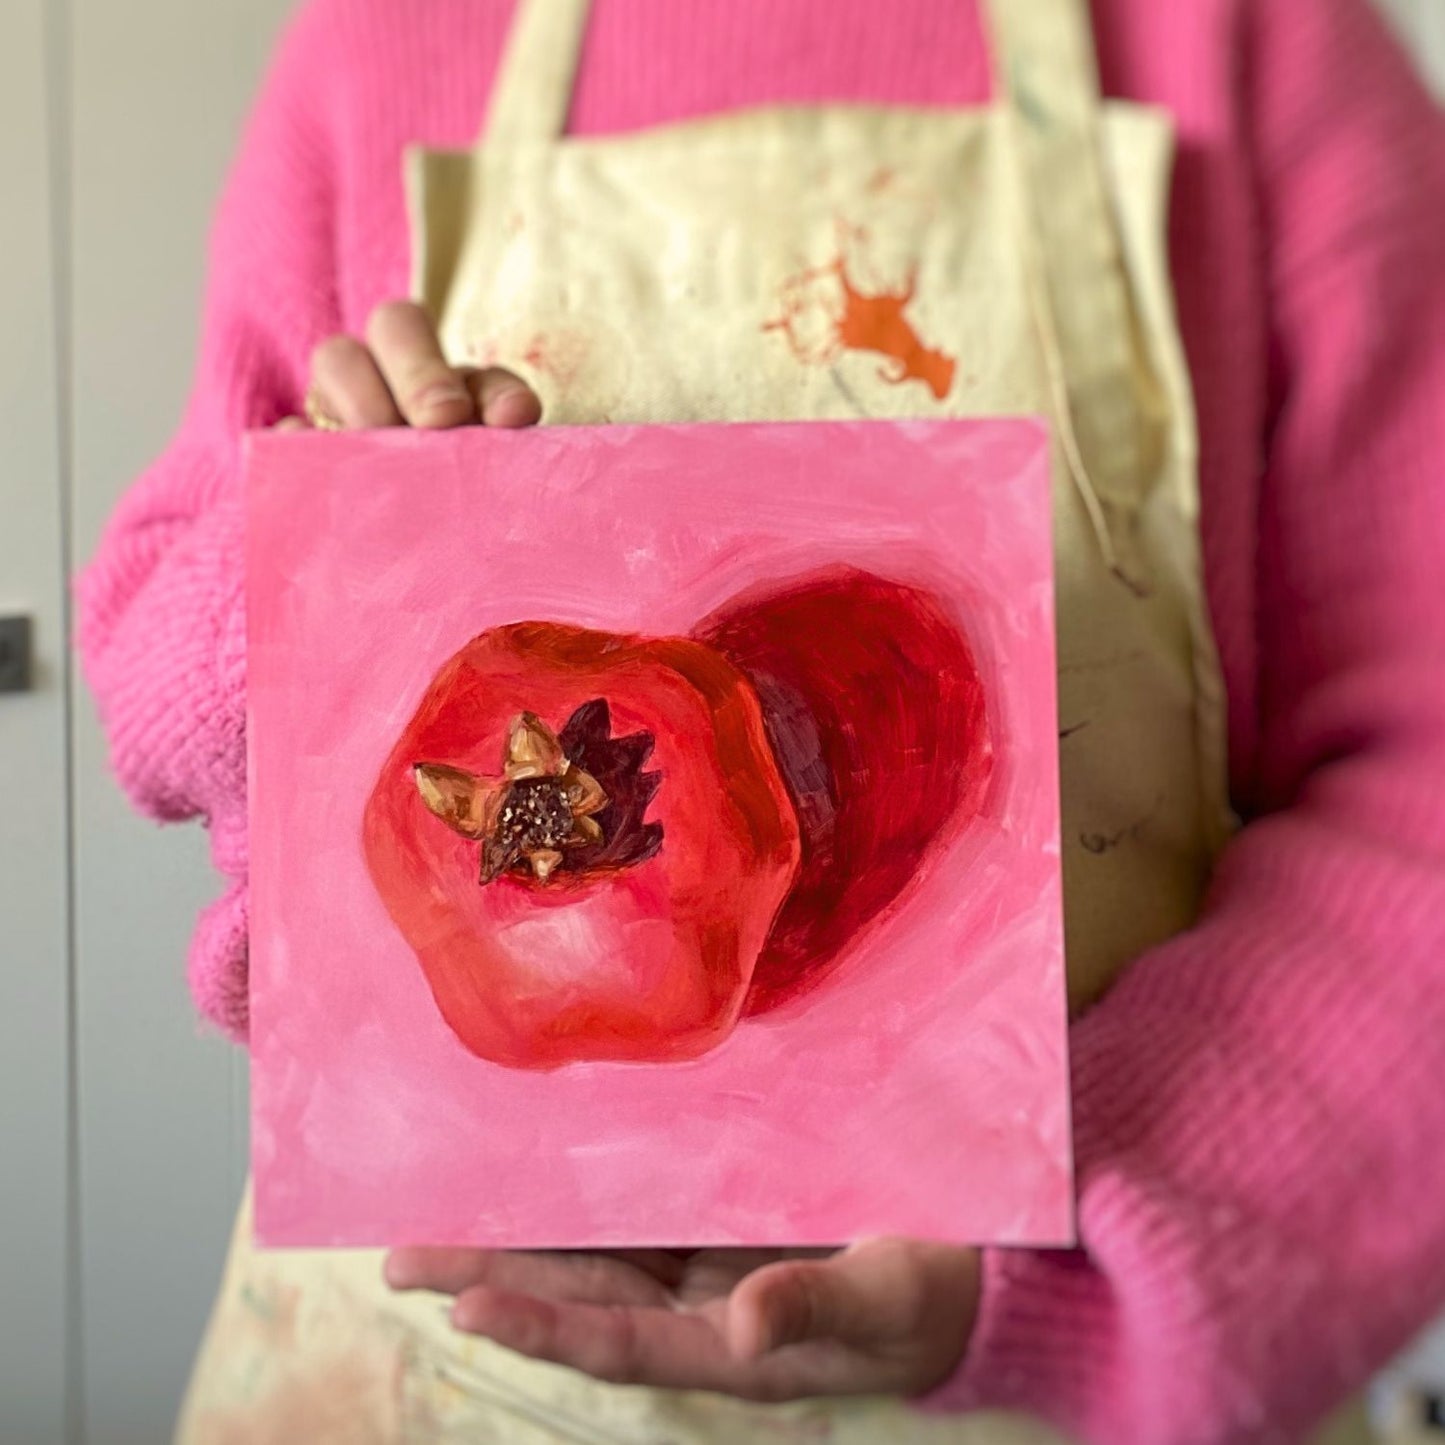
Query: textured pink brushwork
{"x": 842, "y": 1112}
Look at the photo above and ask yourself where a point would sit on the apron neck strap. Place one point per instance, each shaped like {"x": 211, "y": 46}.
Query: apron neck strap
{"x": 1110, "y": 402}
{"x": 533, "y": 89}
{"x": 1041, "y": 47}
{"x": 1043, "y": 59}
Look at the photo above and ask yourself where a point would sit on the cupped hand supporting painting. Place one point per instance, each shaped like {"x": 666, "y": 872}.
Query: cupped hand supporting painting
{"x": 398, "y": 376}
{"x": 886, "y": 1316}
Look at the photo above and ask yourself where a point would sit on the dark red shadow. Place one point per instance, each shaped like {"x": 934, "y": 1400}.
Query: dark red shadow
{"x": 875, "y": 710}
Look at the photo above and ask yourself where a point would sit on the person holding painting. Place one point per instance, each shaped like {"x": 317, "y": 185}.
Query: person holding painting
{"x": 1256, "y": 1063}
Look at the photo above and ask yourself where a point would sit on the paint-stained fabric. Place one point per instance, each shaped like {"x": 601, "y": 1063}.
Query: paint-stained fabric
{"x": 309, "y": 1348}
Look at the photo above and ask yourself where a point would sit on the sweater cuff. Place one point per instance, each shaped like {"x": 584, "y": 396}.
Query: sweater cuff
{"x": 164, "y": 646}
{"x": 217, "y": 965}
{"x": 1043, "y": 1337}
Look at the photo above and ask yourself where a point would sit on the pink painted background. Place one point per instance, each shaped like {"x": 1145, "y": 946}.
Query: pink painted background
{"x": 921, "y": 1090}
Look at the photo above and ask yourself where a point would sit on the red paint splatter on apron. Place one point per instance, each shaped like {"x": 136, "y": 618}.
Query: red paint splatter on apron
{"x": 825, "y": 313}
{"x": 559, "y": 354}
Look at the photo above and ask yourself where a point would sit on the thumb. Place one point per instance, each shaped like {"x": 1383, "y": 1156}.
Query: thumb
{"x": 849, "y": 1298}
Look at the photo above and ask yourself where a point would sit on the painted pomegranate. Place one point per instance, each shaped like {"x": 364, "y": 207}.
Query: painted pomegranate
{"x": 564, "y": 902}
{"x": 613, "y": 847}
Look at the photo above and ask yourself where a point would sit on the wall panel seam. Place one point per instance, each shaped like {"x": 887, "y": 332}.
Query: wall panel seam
{"x": 59, "y": 133}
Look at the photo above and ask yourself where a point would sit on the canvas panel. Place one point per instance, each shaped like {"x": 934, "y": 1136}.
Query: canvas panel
{"x": 634, "y": 1058}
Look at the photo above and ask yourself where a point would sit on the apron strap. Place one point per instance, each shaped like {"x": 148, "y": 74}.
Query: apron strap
{"x": 533, "y": 89}
{"x": 1112, "y": 405}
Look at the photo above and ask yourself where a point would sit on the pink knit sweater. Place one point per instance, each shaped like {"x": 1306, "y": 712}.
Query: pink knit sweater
{"x": 1260, "y": 1103}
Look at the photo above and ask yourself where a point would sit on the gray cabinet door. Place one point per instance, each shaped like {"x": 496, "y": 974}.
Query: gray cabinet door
{"x": 34, "y": 952}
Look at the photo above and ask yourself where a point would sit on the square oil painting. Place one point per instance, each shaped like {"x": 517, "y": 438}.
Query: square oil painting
{"x": 654, "y": 836}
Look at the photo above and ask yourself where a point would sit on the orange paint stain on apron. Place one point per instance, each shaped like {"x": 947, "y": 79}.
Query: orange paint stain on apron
{"x": 852, "y": 320}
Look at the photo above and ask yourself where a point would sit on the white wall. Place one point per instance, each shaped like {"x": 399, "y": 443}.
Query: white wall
{"x": 1421, "y": 24}
{"x": 122, "y": 1127}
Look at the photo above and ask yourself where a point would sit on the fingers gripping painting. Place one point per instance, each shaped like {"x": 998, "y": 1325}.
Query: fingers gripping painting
{"x": 695, "y": 876}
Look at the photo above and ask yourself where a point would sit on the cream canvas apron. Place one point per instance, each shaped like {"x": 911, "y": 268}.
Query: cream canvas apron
{"x": 797, "y": 264}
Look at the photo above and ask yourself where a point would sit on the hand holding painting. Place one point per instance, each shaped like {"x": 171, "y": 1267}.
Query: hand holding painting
{"x": 882, "y": 1316}
{"x": 885, "y": 1316}
{"x": 399, "y": 377}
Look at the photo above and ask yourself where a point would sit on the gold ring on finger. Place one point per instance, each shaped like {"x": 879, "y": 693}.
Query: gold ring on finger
{"x": 317, "y": 414}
